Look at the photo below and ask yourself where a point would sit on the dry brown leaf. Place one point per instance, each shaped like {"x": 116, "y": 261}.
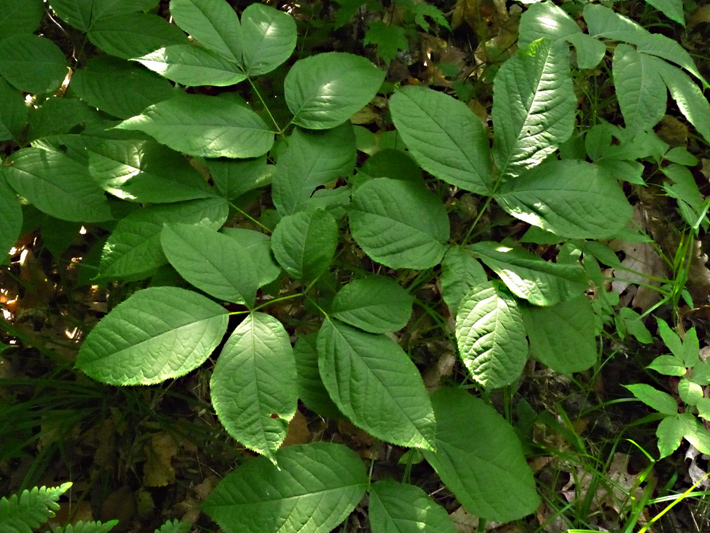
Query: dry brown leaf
{"x": 464, "y": 522}
{"x": 297, "y": 431}
{"x": 158, "y": 470}
{"x": 700, "y": 15}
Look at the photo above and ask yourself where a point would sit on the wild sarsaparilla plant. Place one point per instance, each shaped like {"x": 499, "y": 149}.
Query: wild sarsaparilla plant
{"x": 151, "y": 146}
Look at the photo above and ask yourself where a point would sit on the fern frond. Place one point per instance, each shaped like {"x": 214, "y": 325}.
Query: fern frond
{"x": 20, "y": 514}
{"x": 174, "y": 526}
{"x": 86, "y": 527}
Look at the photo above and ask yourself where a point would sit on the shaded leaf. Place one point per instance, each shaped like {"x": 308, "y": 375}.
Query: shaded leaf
{"x": 134, "y": 34}
{"x": 375, "y": 384}
{"x": 32, "y": 64}
{"x": 654, "y": 398}
{"x": 268, "y": 39}
{"x": 258, "y": 247}
{"x": 460, "y": 272}
{"x": 212, "y": 23}
{"x": 479, "y": 458}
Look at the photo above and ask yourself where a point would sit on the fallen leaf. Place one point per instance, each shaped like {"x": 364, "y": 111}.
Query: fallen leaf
{"x": 158, "y": 470}
{"x": 297, "y": 431}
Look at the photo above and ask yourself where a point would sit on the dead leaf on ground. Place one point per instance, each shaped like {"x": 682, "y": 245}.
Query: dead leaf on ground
{"x": 158, "y": 470}
{"x": 297, "y": 431}
{"x": 700, "y": 15}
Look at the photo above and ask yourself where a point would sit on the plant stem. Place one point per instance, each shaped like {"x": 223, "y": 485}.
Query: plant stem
{"x": 266, "y": 107}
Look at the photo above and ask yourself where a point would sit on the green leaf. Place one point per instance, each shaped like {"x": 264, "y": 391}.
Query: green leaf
{"x": 376, "y": 385}
{"x": 311, "y": 159}
{"x": 374, "y": 304}
{"x": 569, "y": 198}
{"x": 654, "y": 398}
{"x": 639, "y": 88}
{"x": 691, "y": 348}
{"x": 234, "y": 178}
{"x": 635, "y": 326}
{"x": 13, "y": 112}
{"x": 533, "y": 106}
{"x": 325, "y": 90}
{"x": 605, "y": 23}
{"x": 76, "y": 13}
{"x": 31, "y": 508}
{"x": 134, "y": 246}
{"x": 173, "y": 526}
{"x": 268, "y": 39}
{"x": 156, "y": 334}
{"x": 689, "y": 392}
{"x": 96, "y": 85}
{"x": 673, "y": 9}
{"x": 258, "y": 247}
{"x": 444, "y": 137}
{"x": 32, "y": 64}
{"x": 546, "y": 20}
{"x": 491, "y": 336}
{"x": 213, "y": 23}
{"x": 145, "y": 171}
{"x": 703, "y": 407}
{"x": 479, "y": 458}
{"x": 10, "y": 219}
{"x": 668, "y": 365}
{"x": 422, "y": 10}
{"x": 670, "y": 433}
{"x": 690, "y": 99}
{"x": 205, "y": 126}
{"x": 388, "y": 39}
{"x": 671, "y": 339}
{"x": 562, "y": 336}
{"x": 311, "y": 390}
{"x": 695, "y": 432}
{"x": 20, "y": 17}
{"x": 530, "y": 277}
{"x": 210, "y": 261}
{"x": 399, "y": 224}
{"x": 134, "y": 34}
{"x": 312, "y": 490}
{"x": 56, "y": 185}
{"x": 401, "y": 508}
{"x": 304, "y": 244}
{"x": 253, "y": 386}
{"x": 59, "y": 115}
{"x": 192, "y": 66}
{"x": 112, "y": 8}
{"x": 460, "y": 272}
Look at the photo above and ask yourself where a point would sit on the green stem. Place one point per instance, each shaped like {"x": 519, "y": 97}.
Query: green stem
{"x": 247, "y": 215}
{"x": 266, "y": 107}
{"x": 475, "y": 222}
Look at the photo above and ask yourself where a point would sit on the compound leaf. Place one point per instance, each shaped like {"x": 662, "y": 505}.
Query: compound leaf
{"x": 211, "y": 261}
{"x": 562, "y": 336}
{"x": 213, "y": 23}
{"x": 56, "y": 185}
{"x": 312, "y": 490}
{"x": 569, "y": 198}
{"x": 192, "y": 66}
{"x": 491, "y": 336}
{"x": 311, "y": 159}
{"x": 444, "y": 137}
{"x": 96, "y": 85}
{"x": 156, "y": 334}
{"x": 134, "y": 246}
{"x": 375, "y": 384}
{"x": 325, "y": 90}
{"x": 529, "y": 277}
{"x": 134, "y": 34}
{"x": 268, "y": 38}
{"x": 258, "y": 247}
{"x": 399, "y": 224}
{"x": 253, "y": 386}
{"x": 374, "y": 304}
{"x": 31, "y": 508}
{"x": 206, "y": 126}
{"x": 639, "y": 88}
{"x": 145, "y": 171}
{"x": 304, "y": 244}
{"x": 479, "y": 458}
{"x": 401, "y": 508}
{"x": 32, "y": 64}
{"x": 654, "y": 398}
{"x": 533, "y": 106}
{"x": 460, "y": 272}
